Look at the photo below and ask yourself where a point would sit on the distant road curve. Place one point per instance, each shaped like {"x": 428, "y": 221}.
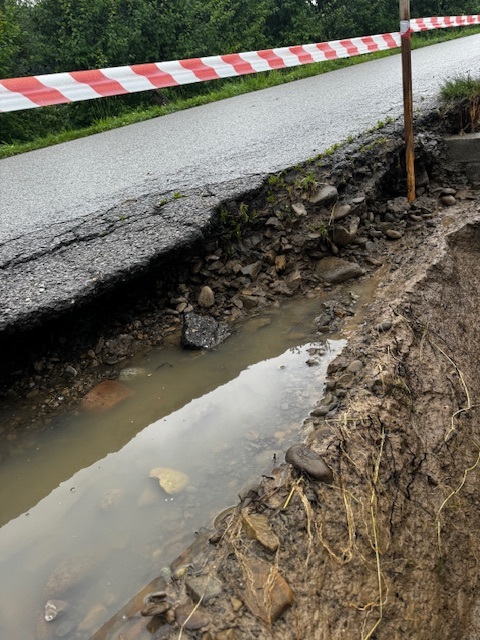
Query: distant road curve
{"x": 255, "y": 133}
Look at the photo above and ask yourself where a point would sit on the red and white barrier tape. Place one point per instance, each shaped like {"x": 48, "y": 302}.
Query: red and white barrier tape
{"x": 58, "y": 88}
{"x": 425, "y": 24}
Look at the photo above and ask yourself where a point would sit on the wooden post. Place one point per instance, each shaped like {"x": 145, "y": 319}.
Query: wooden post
{"x": 407, "y": 97}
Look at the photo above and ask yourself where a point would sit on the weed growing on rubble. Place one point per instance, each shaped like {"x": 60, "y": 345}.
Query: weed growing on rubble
{"x": 308, "y": 184}
{"x": 234, "y": 222}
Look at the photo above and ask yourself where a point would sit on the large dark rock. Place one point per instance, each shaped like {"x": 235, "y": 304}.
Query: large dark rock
{"x": 203, "y": 332}
{"x": 305, "y": 459}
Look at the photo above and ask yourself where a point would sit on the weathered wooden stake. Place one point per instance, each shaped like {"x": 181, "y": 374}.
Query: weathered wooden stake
{"x": 407, "y": 97}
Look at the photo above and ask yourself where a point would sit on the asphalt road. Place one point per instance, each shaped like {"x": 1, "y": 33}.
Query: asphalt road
{"x": 251, "y": 134}
{"x": 79, "y": 217}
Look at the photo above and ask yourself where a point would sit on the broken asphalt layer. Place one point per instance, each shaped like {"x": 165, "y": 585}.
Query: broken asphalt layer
{"x": 56, "y": 268}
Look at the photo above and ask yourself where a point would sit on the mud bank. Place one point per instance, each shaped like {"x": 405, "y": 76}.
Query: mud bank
{"x": 389, "y": 548}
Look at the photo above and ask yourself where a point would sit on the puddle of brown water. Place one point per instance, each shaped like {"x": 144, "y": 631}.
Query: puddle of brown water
{"x": 87, "y": 502}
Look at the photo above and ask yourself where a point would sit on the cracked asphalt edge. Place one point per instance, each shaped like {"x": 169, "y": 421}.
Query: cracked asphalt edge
{"x": 52, "y": 270}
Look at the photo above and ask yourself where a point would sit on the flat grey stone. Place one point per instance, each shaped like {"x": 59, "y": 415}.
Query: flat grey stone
{"x": 204, "y": 588}
{"x": 325, "y": 196}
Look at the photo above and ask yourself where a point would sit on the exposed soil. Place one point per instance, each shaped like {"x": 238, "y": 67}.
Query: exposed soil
{"x": 388, "y": 549}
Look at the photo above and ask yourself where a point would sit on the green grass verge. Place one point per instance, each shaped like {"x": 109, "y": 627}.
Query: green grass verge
{"x": 460, "y": 88}
{"x": 228, "y": 89}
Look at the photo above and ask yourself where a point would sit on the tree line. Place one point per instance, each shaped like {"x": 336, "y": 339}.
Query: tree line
{"x": 49, "y": 36}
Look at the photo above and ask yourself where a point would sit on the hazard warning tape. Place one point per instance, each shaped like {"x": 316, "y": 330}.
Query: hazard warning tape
{"x": 59, "y": 88}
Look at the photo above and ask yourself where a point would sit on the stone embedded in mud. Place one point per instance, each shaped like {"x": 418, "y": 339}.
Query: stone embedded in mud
{"x": 155, "y": 604}
{"x": 257, "y": 527}
{"x": 299, "y": 208}
{"x": 226, "y": 634}
{"x": 204, "y": 588}
{"x": 305, "y": 459}
{"x": 384, "y": 326}
{"x": 343, "y": 236}
{"x": 325, "y": 196}
{"x": 206, "y": 297}
{"x": 393, "y": 234}
{"x": 345, "y": 380}
{"x": 171, "y": 480}
{"x": 355, "y": 366}
{"x": 341, "y": 211}
{"x": 105, "y": 396}
{"x": 448, "y": 200}
{"x": 340, "y": 362}
{"x": 190, "y": 619}
{"x": 268, "y": 606}
{"x": 203, "y": 332}
{"x": 336, "y": 270}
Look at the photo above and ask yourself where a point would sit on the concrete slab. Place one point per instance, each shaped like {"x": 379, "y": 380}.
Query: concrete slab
{"x": 464, "y": 149}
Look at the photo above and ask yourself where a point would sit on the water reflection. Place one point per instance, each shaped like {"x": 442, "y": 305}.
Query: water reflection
{"x": 110, "y": 528}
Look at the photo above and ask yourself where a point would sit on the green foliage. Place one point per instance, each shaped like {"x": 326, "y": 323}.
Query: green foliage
{"x": 234, "y": 221}
{"x": 308, "y": 184}
{"x": 48, "y": 36}
{"x": 461, "y": 87}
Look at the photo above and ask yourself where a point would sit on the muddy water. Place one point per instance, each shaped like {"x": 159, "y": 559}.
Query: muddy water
{"x": 82, "y": 519}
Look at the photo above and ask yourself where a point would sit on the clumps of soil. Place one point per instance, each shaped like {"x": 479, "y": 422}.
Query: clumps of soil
{"x": 270, "y": 246}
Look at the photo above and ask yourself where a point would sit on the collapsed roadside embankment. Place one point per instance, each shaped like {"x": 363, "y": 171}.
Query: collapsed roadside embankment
{"x": 251, "y": 244}
{"x": 370, "y": 529}
{"x": 382, "y": 544}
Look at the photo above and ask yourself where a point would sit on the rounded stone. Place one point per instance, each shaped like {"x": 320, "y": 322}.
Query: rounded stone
{"x": 448, "y": 200}
{"x": 392, "y": 234}
{"x": 206, "y": 297}
{"x": 305, "y": 459}
{"x": 355, "y": 366}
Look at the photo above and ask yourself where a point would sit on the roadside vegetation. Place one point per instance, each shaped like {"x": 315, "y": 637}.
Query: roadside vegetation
{"x": 462, "y": 98}
{"x": 51, "y": 36}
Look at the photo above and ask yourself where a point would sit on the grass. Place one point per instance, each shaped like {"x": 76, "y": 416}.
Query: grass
{"x": 461, "y": 87}
{"x": 464, "y": 89}
{"x": 228, "y": 89}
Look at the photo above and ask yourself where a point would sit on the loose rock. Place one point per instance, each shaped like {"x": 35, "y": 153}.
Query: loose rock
{"x": 206, "y": 297}
{"x": 105, "y": 396}
{"x": 258, "y": 573}
{"x": 335, "y": 270}
{"x": 448, "y": 200}
{"x": 325, "y": 196}
{"x": 204, "y": 588}
{"x": 203, "y": 332}
{"x": 257, "y": 527}
{"x": 305, "y": 459}
{"x": 190, "y": 619}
